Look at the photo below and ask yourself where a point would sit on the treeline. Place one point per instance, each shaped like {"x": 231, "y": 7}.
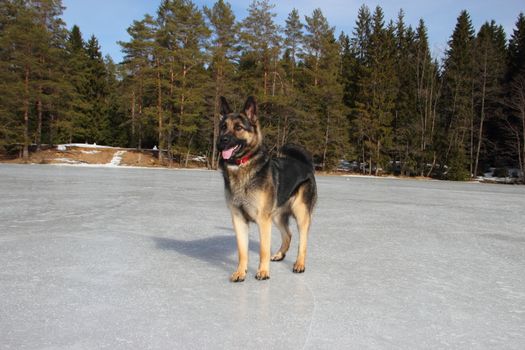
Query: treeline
{"x": 376, "y": 95}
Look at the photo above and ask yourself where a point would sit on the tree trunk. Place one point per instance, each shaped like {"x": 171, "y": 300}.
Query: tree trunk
{"x": 52, "y": 130}
{"x": 274, "y": 76}
{"x": 285, "y": 129}
{"x": 450, "y": 131}
{"x": 482, "y": 117}
{"x": 39, "y": 124}
{"x": 278, "y": 139}
{"x": 181, "y": 109}
{"x": 159, "y": 110}
{"x": 133, "y": 114}
{"x": 325, "y": 150}
{"x": 472, "y": 113}
{"x": 265, "y": 76}
{"x": 292, "y": 74}
{"x": 25, "y": 152}
{"x": 434, "y": 108}
{"x": 316, "y": 69}
{"x": 171, "y": 115}
{"x": 188, "y": 152}
{"x": 377, "y": 157}
{"x": 433, "y": 165}
{"x": 523, "y": 136}
{"x": 216, "y": 118}
{"x": 39, "y": 109}
{"x": 520, "y": 159}
{"x": 139, "y": 121}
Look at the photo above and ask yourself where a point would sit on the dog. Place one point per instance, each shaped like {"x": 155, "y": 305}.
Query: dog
{"x": 263, "y": 189}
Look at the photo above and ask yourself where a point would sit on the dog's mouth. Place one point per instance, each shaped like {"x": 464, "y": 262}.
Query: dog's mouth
{"x": 228, "y": 153}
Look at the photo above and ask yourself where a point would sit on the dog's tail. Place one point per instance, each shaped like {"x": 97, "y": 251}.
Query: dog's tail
{"x": 298, "y": 153}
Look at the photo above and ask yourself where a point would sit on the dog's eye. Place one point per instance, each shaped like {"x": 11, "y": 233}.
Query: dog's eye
{"x": 238, "y": 127}
{"x": 223, "y": 127}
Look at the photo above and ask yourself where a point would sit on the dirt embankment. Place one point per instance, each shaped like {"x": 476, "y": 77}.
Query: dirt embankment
{"x": 92, "y": 155}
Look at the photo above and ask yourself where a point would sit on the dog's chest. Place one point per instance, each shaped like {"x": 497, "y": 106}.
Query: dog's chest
{"x": 241, "y": 194}
{"x": 240, "y": 191}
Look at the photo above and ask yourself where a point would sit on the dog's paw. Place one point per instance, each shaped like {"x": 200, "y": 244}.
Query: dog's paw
{"x": 298, "y": 268}
{"x": 262, "y": 275}
{"x": 238, "y": 276}
{"x": 278, "y": 256}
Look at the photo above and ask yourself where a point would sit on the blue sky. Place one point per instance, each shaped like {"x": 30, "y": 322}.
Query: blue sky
{"x": 109, "y": 19}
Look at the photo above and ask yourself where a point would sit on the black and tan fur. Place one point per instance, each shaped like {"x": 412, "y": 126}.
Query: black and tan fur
{"x": 263, "y": 189}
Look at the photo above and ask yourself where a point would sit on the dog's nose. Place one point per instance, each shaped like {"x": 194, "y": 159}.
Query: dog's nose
{"x": 225, "y": 139}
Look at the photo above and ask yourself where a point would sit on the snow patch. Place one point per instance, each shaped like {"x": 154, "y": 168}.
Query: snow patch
{"x": 117, "y": 158}
{"x": 371, "y": 176}
{"x": 67, "y": 161}
{"x": 201, "y": 159}
{"x": 63, "y": 147}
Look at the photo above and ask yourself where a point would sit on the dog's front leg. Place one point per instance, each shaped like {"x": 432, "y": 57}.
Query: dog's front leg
{"x": 265, "y": 236}
{"x": 240, "y": 225}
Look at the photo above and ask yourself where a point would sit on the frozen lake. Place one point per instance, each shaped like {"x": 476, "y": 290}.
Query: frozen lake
{"x": 110, "y": 258}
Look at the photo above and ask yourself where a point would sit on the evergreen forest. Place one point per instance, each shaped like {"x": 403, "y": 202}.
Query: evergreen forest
{"x": 375, "y": 97}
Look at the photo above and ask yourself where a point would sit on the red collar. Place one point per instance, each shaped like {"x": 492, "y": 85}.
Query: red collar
{"x": 243, "y": 160}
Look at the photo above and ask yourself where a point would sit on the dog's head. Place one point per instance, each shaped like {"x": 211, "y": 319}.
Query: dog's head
{"x": 239, "y": 133}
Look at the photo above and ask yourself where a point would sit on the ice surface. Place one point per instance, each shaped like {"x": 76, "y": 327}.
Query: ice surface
{"x": 111, "y": 258}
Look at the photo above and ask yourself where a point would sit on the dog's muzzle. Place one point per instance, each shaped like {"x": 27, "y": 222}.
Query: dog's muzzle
{"x": 229, "y": 145}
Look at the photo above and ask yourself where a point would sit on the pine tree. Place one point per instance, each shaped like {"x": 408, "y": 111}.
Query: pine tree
{"x": 362, "y": 33}
{"x": 261, "y": 42}
{"x": 14, "y": 92}
{"x": 31, "y": 41}
{"x": 259, "y": 71}
{"x": 223, "y": 52}
{"x": 517, "y": 49}
{"x": 139, "y": 78}
{"x": 414, "y": 115}
{"x": 69, "y": 125}
{"x": 290, "y": 102}
{"x": 50, "y": 79}
{"x": 348, "y": 69}
{"x": 117, "y": 134}
{"x": 181, "y": 35}
{"x": 516, "y": 122}
{"x": 515, "y": 95}
{"x": 405, "y": 117}
{"x": 489, "y": 73}
{"x": 96, "y": 92}
{"x": 428, "y": 85}
{"x": 377, "y": 92}
{"x": 327, "y": 115}
{"x": 293, "y": 42}
{"x": 359, "y": 47}
{"x": 458, "y": 102}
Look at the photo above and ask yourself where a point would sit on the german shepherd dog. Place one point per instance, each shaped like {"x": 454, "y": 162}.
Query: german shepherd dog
{"x": 262, "y": 189}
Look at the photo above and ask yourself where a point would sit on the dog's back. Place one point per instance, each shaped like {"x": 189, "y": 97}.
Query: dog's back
{"x": 294, "y": 169}
{"x": 299, "y": 153}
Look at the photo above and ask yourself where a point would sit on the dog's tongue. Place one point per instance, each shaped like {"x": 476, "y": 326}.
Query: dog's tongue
{"x": 227, "y": 154}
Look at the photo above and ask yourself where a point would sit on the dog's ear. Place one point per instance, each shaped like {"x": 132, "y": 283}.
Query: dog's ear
{"x": 250, "y": 109}
{"x": 225, "y": 107}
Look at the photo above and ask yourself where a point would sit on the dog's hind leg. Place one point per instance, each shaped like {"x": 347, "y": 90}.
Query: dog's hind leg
{"x": 282, "y": 222}
{"x": 241, "y": 228}
{"x": 303, "y": 217}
